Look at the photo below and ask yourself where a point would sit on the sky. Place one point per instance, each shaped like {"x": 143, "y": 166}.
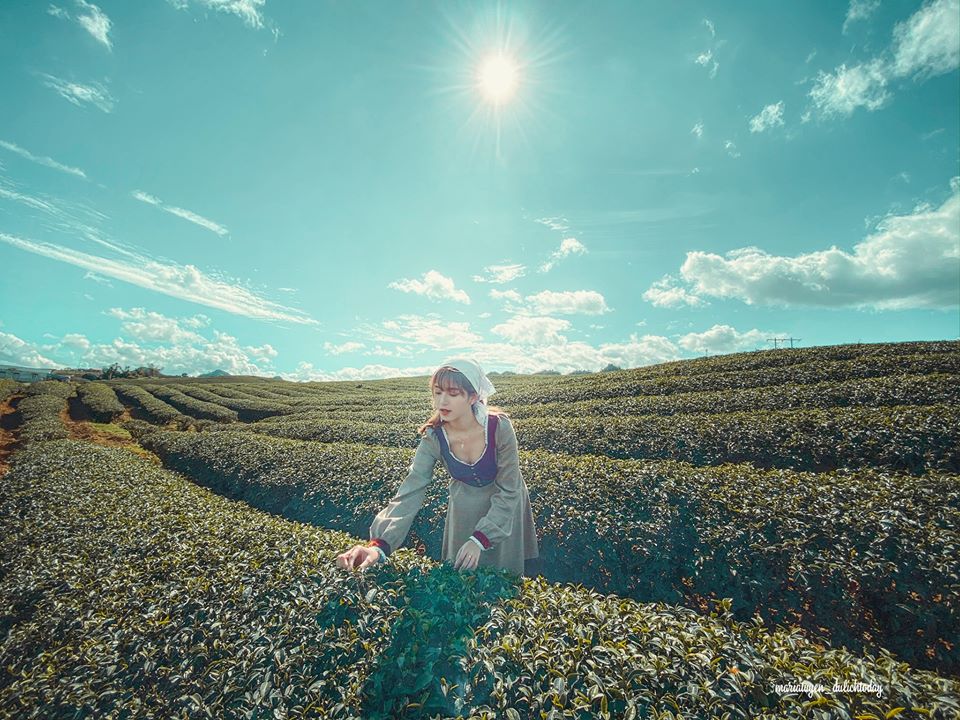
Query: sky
{"x": 333, "y": 190}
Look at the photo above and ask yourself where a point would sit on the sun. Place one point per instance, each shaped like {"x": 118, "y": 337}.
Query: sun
{"x": 498, "y": 77}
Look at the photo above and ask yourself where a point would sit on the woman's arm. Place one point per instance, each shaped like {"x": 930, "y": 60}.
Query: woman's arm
{"x": 391, "y": 525}
{"x": 497, "y": 524}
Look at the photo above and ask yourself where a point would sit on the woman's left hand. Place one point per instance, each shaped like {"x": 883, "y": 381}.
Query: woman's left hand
{"x": 468, "y": 557}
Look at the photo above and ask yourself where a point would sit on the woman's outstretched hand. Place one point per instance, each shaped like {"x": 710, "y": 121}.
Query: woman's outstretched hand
{"x": 468, "y": 557}
{"x": 358, "y": 557}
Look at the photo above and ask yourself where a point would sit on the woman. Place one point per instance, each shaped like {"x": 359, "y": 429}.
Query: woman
{"x": 489, "y": 518}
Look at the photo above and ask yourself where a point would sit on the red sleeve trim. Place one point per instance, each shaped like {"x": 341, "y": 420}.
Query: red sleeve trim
{"x": 483, "y": 539}
{"x": 382, "y": 544}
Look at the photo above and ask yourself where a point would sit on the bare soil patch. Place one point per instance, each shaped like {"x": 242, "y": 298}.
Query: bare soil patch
{"x": 80, "y": 427}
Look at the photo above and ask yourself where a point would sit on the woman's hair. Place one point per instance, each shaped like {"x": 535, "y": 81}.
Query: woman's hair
{"x": 445, "y": 378}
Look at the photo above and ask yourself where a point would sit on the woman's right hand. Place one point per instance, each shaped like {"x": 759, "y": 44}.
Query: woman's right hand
{"x": 358, "y": 557}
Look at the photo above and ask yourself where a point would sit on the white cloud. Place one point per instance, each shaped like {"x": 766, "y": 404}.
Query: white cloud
{"x": 560, "y": 224}
{"x": 91, "y": 18}
{"x": 90, "y": 275}
{"x": 731, "y": 149}
{"x": 186, "y": 282}
{"x": 49, "y": 162}
{"x": 434, "y": 286}
{"x": 586, "y": 302}
{"x": 928, "y": 42}
{"x": 564, "y": 357}
{"x": 160, "y": 341}
{"x": 910, "y": 261}
{"x": 246, "y": 10}
{"x": 527, "y": 330}
{"x": 95, "y": 22}
{"x": 197, "y": 220}
{"x": 843, "y": 91}
{"x": 416, "y": 330}
{"x": 923, "y": 46}
{"x": 147, "y": 198}
{"x": 78, "y": 94}
{"x": 706, "y": 60}
{"x": 710, "y": 27}
{"x": 501, "y": 273}
{"x": 180, "y": 212}
{"x": 149, "y": 326}
{"x": 722, "y": 339}
{"x": 349, "y": 346}
{"x": 770, "y": 116}
{"x": 697, "y": 129}
{"x": 306, "y": 372}
{"x": 196, "y": 321}
{"x": 568, "y": 246}
{"x": 264, "y": 353}
{"x": 666, "y": 292}
{"x": 29, "y": 201}
{"x": 14, "y": 351}
{"x": 76, "y": 341}
{"x": 509, "y": 295}
{"x": 859, "y": 10}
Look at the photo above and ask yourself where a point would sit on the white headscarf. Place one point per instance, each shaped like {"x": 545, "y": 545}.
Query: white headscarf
{"x": 481, "y": 383}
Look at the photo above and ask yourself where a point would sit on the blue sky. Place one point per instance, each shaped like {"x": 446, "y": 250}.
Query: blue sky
{"x": 339, "y": 190}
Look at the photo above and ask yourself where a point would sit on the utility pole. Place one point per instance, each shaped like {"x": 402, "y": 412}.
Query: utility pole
{"x": 775, "y": 341}
{"x": 791, "y": 341}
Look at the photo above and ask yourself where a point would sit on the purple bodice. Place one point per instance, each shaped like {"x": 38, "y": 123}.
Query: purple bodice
{"x": 484, "y": 470}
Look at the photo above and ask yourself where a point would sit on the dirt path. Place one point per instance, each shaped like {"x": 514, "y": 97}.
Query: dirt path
{"x": 80, "y": 426}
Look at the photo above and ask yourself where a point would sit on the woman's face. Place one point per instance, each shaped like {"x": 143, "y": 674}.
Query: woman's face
{"x": 453, "y": 403}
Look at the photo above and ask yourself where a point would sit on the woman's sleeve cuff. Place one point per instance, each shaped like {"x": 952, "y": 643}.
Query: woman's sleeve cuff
{"x": 382, "y": 544}
{"x": 480, "y": 538}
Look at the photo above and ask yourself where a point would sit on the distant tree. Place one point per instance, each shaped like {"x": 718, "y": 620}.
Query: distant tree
{"x": 547, "y": 372}
{"x": 112, "y": 371}
{"x": 115, "y": 371}
{"x": 580, "y": 372}
{"x": 610, "y": 367}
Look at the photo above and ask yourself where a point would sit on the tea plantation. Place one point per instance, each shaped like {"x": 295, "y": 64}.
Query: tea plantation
{"x": 761, "y": 535}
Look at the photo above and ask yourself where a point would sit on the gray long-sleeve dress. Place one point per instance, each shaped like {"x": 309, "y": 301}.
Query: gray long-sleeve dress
{"x": 500, "y": 510}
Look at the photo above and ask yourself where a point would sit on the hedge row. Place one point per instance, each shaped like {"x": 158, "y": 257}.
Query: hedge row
{"x": 106, "y": 614}
{"x": 654, "y": 385}
{"x": 787, "y": 357}
{"x": 100, "y": 401}
{"x": 874, "y": 392}
{"x": 636, "y": 382}
{"x": 191, "y": 406}
{"x": 10, "y": 387}
{"x": 908, "y": 438}
{"x": 836, "y": 551}
{"x": 155, "y": 409}
{"x": 40, "y": 411}
{"x": 247, "y": 409}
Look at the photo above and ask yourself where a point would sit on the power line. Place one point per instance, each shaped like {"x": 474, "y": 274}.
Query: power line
{"x": 791, "y": 340}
